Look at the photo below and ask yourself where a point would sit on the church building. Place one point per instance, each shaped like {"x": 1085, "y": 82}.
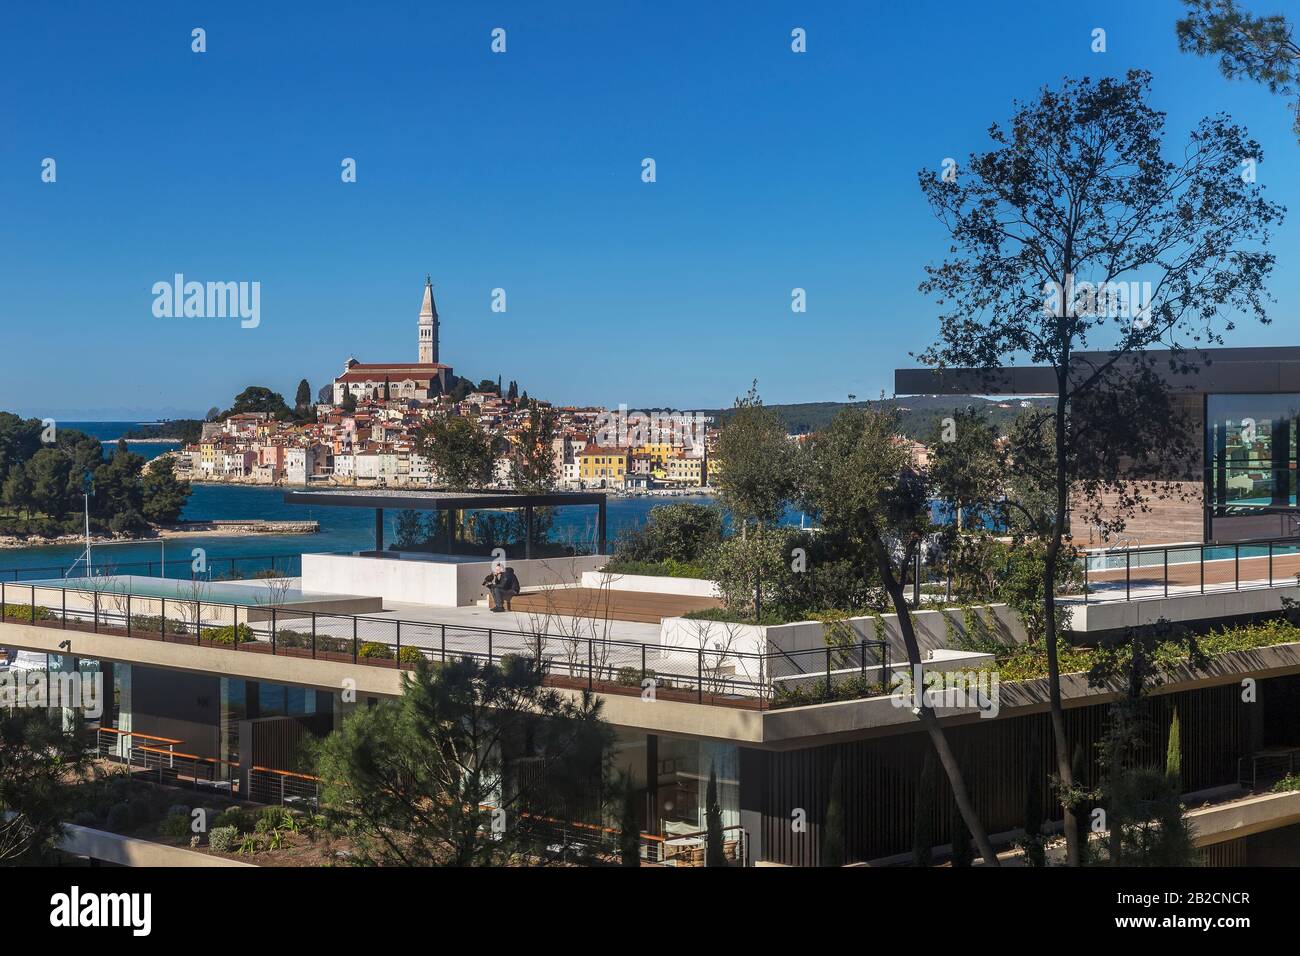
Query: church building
{"x": 424, "y": 379}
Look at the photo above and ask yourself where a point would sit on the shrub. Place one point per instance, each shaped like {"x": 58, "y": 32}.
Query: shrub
{"x": 271, "y": 818}
{"x": 142, "y": 811}
{"x": 228, "y": 634}
{"x": 222, "y": 839}
{"x": 85, "y": 818}
{"x": 409, "y": 655}
{"x": 632, "y": 676}
{"x": 175, "y": 826}
{"x": 234, "y": 817}
{"x": 178, "y": 809}
{"x": 26, "y": 614}
{"x": 375, "y": 651}
{"x": 1288, "y": 783}
{"x": 119, "y": 818}
{"x": 285, "y": 638}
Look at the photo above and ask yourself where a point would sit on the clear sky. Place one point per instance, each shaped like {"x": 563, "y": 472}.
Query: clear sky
{"x": 522, "y": 171}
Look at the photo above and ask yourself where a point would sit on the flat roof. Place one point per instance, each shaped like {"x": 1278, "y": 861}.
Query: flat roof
{"x": 1223, "y": 371}
{"x": 439, "y": 500}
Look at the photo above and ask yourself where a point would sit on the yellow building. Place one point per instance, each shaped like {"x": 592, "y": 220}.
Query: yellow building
{"x": 683, "y": 470}
{"x": 603, "y": 467}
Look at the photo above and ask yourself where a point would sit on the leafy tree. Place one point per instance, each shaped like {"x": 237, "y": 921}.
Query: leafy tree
{"x": 1262, "y": 48}
{"x": 965, "y": 467}
{"x": 1075, "y": 188}
{"x": 433, "y": 779}
{"x": 532, "y": 456}
{"x": 164, "y": 496}
{"x": 40, "y": 762}
{"x": 860, "y": 480}
{"x": 459, "y": 450}
{"x": 681, "y": 531}
{"x": 756, "y": 477}
{"x": 713, "y": 835}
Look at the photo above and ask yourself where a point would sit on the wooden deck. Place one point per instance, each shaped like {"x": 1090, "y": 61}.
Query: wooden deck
{"x": 616, "y": 605}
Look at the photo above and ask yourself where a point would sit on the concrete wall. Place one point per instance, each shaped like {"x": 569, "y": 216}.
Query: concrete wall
{"x": 935, "y": 630}
{"x": 419, "y": 580}
{"x": 1111, "y": 615}
{"x": 652, "y": 584}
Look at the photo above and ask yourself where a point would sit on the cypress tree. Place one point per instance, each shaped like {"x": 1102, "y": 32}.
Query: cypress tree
{"x": 714, "y": 855}
{"x": 833, "y": 826}
{"x": 923, "y": 824}
{"x": 1174, "y": 754}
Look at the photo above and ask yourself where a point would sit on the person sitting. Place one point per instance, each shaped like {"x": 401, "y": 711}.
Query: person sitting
{"x": 503, "y": 585}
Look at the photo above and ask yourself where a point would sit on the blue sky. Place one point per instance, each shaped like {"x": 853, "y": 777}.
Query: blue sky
{"x": 522, "y": 171}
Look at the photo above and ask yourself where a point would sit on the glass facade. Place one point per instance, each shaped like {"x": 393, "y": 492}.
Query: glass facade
{"x": 1250, "y": 456}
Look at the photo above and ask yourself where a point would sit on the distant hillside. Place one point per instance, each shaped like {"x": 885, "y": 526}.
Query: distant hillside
{"x": 918, "y": 414}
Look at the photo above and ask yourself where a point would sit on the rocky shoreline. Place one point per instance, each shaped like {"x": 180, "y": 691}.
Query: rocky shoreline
{"x": 187, "y": 529}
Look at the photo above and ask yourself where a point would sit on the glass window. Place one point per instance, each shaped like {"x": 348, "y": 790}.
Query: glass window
{"x": 1251, "y": 450}
{"x": 683, "y": 779}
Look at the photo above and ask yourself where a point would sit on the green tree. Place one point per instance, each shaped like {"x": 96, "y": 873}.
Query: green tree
{"x": 923, "y": 813}
{"x": 51, "y": 476}
{"x": 302, "y": 404}
{"x": 459, "y": 450}
{"x": 629, "y": 832}
{"x": 532, "y": 456}
{"x": 119, "y": 494}
{"x": 863, "y": 485}
{"x": 965, "y": 468}
{"x": 756, "y": 477}
{"x": 40, "y": 763}
{"x": 1262, "y": 48}
{"x": 681, "y": 531}
{"x": 434, "y": 778}
{"x": 19, "y": 440}
{"x": 1144, "y": 816}
{"x": 164, "y": 497}
{"x": 17, "y": 492}
{"x": 1174, "y": 752}
{"x": 258, "y": 398}
{"x": 1077, "y": 189}
{"x": 349, "y": 405}
{"x": 713, "y": 835}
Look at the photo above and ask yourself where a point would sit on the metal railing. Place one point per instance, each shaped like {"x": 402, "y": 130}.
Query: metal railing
{"x": 1159, "y": 571}
{"x": 285, "y": 565}
{"x": 715, "y": 672}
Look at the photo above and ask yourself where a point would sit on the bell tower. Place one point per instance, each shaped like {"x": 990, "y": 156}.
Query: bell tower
{"x": 428, "y": 325}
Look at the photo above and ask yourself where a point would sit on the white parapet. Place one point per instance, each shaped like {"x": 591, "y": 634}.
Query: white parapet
{"x": 437, "y": 580}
